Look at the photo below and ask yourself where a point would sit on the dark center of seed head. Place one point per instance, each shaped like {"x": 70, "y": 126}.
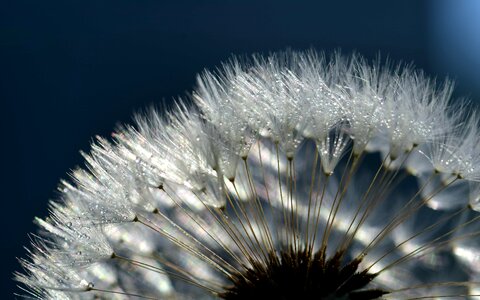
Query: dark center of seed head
{"x": 302, "y": 275}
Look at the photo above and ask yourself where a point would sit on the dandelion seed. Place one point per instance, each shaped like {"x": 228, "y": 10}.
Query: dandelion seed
{"x": 291, "y": 176}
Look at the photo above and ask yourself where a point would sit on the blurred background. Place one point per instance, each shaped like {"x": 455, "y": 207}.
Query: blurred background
{"x": 70, "y": 70}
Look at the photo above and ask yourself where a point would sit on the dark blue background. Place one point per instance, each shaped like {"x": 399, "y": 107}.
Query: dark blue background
{"x": 72, "y": 69}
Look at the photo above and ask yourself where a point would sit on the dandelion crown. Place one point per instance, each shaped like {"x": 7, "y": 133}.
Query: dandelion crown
{"x": 290, "y": 176}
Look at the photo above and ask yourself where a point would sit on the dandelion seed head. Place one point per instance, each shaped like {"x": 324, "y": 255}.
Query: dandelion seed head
{"x": 292, "y": 175}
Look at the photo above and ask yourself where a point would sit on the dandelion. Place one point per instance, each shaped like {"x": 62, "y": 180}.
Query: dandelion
{"x": 290, "y": 176}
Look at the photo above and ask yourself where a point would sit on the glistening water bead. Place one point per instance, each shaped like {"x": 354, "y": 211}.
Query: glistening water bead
{"x": 290, "y": 176}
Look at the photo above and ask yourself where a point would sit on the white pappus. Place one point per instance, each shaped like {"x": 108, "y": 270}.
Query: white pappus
{"x": 295, "y": 175}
